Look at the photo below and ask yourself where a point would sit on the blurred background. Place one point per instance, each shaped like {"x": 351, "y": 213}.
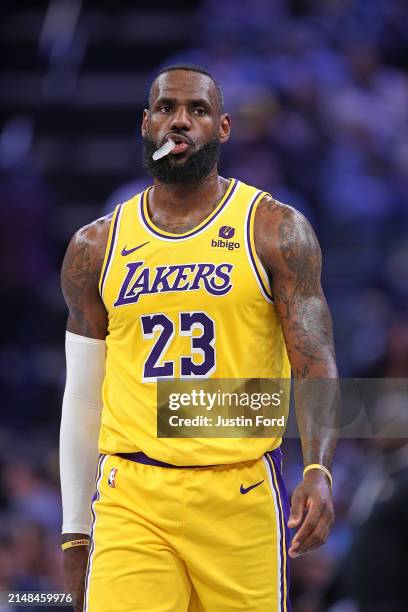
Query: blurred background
{"x": 318, "y": 93}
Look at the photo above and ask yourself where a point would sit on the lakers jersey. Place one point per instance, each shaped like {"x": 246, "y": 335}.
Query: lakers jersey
{"x": 196, "y": 304}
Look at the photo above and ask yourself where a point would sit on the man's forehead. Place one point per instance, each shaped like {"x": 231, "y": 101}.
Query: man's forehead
{"x": 184, "y": 84}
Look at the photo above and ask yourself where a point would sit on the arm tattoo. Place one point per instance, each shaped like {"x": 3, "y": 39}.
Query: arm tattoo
{"x": 270, "y": 204}
{"x": 80, "y": 275}
{"x": 291, "y": 252}
{"x": 304, "y": 263}
{"x": 289, "y": 248}
{"x": 302, "y": 299}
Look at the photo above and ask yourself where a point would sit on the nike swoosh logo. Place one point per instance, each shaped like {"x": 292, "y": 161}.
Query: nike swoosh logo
{"x": 126, "y": 251}
{"x": 244, "y": 490}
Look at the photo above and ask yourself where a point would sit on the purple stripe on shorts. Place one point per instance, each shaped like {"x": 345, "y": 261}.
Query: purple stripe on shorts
{"x": 95, "y": 498}
{"x": 193, "y": 232}
{"x": 112, "y": 242}
{"x": 248, "y": 230}
{"x": 275, "y": 457}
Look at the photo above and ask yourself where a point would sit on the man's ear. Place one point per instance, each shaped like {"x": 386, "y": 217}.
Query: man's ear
{"x": 225, "y": 128}
{"x": 145, "y": 122}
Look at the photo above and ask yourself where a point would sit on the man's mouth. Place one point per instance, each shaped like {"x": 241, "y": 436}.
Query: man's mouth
{"x": 173, "y": 143}
{"x": 181, "y": 142}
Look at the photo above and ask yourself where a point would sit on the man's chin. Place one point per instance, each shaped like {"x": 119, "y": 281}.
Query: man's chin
{"x": 176, "y": 158}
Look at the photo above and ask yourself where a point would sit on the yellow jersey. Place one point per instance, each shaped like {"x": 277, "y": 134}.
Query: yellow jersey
{"x": 191, "y": 305}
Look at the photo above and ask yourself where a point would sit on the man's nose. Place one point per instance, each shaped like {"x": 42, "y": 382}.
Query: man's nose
{"x": 180, "y": 119}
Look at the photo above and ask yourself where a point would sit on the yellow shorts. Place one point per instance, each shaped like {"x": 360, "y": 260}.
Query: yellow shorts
{"x": 197, "y": 539}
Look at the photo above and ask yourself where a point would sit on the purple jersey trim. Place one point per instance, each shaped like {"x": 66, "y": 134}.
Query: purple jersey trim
{"x": 250, "y": 251}
{"x": 195, "y": 231}
{"x": 95, "y": 498}
{"x": 274, "y": 459}
{"x": 112, "y": 242}
{"x": 142, "y": 458}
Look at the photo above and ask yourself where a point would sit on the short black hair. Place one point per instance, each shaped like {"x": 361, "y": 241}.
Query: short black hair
{"x": 191, "y": 68}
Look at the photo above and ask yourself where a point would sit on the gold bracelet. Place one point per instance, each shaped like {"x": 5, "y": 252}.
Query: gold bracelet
{"x": 319, "y": 467}
{"x": 73, "y": 543}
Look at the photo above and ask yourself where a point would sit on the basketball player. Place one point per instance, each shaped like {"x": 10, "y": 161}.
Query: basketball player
{"x": 198, "y": 524}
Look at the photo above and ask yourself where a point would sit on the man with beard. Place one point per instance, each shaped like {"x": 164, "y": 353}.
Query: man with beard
{"x": 197, "y": 277}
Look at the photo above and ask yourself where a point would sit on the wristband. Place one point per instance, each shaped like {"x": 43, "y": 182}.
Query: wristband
{"x": 74, "y": 543}
{"x": 319, "y": 467}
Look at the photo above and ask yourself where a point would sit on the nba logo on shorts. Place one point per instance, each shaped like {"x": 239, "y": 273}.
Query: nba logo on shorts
{"x": 226, "y": 231}
{"x": 111, "y": 477}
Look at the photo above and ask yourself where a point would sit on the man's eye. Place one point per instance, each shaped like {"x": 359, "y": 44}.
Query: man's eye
{"x": 199, "y": 110}
{"x": 164, "y": 108}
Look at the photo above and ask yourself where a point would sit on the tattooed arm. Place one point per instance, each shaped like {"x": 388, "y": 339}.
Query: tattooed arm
{"x": 80, "y": 276}
{"x": 81, "y": 411}
{"x": 288, "y": 247}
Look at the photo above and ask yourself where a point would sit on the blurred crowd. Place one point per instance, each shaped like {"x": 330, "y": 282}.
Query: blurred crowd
{"x": 318, "y": 93}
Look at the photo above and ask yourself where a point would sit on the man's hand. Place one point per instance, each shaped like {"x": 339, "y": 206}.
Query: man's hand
{"x": 311, "y": 511}
{"x": 74, "y": 568}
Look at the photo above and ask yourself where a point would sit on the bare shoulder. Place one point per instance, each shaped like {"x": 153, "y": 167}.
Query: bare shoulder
{"x": 283, "y": 235}
{"x": 93, "y": 237}
{"x": 86, "y": 249}
{"x": 80, "y": 274}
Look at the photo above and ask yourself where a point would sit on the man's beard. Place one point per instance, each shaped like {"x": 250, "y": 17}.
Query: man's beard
{"x": 196, "y": 167}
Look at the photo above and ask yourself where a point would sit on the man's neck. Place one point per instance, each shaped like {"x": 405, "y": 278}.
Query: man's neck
{"x": 174, "y": 203}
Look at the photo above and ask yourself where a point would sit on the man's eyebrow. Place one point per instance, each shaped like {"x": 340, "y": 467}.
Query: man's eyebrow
{"x": 164, "y": 99}
{"x": 200, "y": 102}
{"x": 191, "y": 101}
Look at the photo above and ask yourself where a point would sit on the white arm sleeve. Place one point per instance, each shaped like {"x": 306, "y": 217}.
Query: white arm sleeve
{"x": 80, "y": 425}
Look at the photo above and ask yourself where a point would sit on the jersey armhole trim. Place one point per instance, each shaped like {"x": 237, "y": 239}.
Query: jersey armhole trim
{"x": 110, "y": 247}
{"x": 258, "y": 269}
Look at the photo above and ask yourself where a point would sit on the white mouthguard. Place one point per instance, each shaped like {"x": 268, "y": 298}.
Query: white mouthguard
{"x": 164, "y": 150}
